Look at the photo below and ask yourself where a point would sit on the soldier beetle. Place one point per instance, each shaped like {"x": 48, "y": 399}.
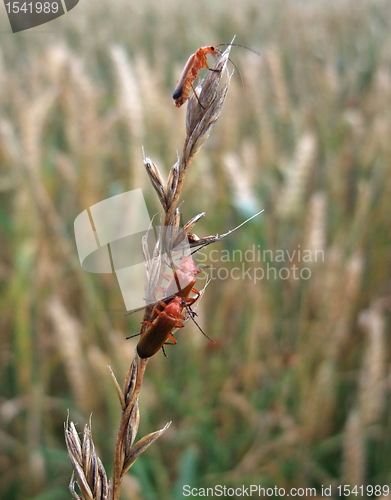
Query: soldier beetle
{"x": 194, "y": 64}
{"x": 167, "y": 314}
{"x": 159, "y": 331}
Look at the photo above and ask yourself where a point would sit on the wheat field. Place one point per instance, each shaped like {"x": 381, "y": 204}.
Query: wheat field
{"x": 295, "y": 391}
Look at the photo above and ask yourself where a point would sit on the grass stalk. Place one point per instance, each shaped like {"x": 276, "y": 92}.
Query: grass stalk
{"x": 88, "y": 470}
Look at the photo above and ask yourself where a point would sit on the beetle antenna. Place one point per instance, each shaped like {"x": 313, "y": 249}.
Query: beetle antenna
{"x": 238, "y": 45}
{"x": 234, "y": 65}
{"x": 191, "y": 314}
{"x": 132, "y": 336}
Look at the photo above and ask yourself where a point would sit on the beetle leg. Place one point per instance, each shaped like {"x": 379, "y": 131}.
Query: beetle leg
{"x": 195, "y": 93}
{"x": 173, "y": 340}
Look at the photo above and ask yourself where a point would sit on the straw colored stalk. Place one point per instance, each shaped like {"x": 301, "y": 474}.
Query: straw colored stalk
{"x": 129, "y": 97}
{"x": 78, "y": 98}
{"x": 318, "y": 410}
{"x": 89, "y": 472}
{"x": 354, "y": 462}
{"x": 125, "y": 453}
{"x": 343, "y": 312}
{"x": 316, "y": 225}
{"x": 68, "y": 331}
{"x": 372, "y": 395}
{"x": 340, "y": 282}
{"x": 33, "y": 120}
{"x": 297, "y": 176}
{"x": 62, "y": 75}
{"x": 273, "y": 58}
{"x": 89, "y": 141}
{"x": 90, "y": 475}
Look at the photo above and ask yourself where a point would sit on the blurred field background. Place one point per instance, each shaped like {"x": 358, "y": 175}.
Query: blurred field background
{"x": 296, "y": 390}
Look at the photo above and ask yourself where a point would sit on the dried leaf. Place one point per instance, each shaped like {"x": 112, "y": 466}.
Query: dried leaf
{"x": 141, "y": 446}
{"x": 172, "y": 182}
{"x": 118, "y": 389}
{"x": 156, "y": 179}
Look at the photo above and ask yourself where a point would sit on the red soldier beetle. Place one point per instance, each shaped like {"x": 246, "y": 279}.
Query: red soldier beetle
{"x": 167, "y": 314}
{"x": 159, "y": 331}
{"x": 194, "y": 64}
